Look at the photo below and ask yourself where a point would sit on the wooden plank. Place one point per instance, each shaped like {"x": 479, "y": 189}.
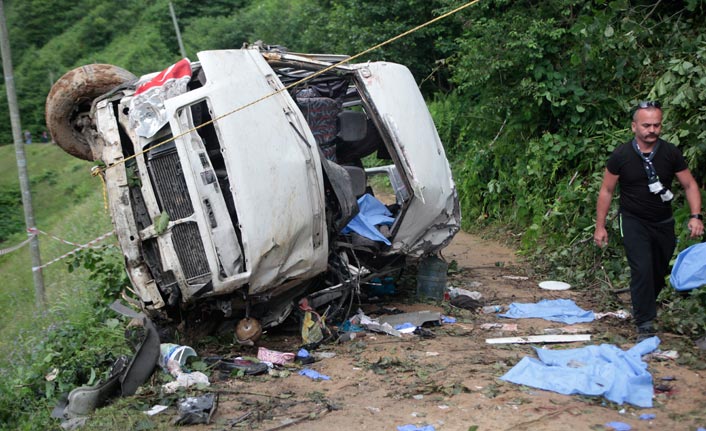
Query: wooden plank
{"x": 552, "y": 338}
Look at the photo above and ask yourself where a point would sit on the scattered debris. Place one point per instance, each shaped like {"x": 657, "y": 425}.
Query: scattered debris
{"x": 500, "y": 326}
{"x": 245, "y": 366}
{"x": 183, "y": 379}
{"x": 516, "y": 277}
{"x": 156, "y": 409}
{"x": 660, "y": 355}
{"x": 489, "y": 309}
{"x": 554, "y": 285}
{"x": 314, "y": 375}
{"x": 466, "y": 302}
{"x": 574, "y": 329}
{"x": 274, "y": 357}
{"x": 196, "y": 410}
{"x": 620, "y": 314}
{"x": 174, "y": 352}
{"x": 455, "y": 292}
{"x": 324, "y": 355}
{"x": 558, "y": 338}
{"x": 418, "y": 318}
{"x": 618, "y": 426}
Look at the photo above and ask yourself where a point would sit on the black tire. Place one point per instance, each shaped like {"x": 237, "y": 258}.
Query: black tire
{"x": 69, "y": 104}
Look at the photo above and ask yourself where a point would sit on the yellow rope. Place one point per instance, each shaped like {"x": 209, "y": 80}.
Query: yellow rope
{"x": 267, "y": 96}
{"x": 96, "y": 171}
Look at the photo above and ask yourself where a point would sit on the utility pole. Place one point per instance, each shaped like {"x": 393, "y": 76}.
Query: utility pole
{"x": 176, "y": 29}
{"x": 21, "y": 160}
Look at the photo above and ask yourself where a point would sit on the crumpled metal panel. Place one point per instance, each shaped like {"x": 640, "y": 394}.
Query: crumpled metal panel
{"x": 432, "y": 217}
{"x": 275, "y": 176}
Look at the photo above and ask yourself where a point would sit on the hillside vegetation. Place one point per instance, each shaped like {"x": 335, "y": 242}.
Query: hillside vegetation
{"x": 529, "y": 97}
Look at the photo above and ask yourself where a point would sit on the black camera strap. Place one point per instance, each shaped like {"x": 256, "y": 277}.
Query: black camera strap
{"x": 647, "y": 161}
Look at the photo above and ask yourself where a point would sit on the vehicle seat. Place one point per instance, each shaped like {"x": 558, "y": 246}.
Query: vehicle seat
{"x": 352, "y": 126}
{"x": 358, "y": 180}
{"x": 321, "y": 113}
{"x": 357, "y": 138}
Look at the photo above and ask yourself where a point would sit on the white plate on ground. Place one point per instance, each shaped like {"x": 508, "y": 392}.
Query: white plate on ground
{"x": 554, "y": 285}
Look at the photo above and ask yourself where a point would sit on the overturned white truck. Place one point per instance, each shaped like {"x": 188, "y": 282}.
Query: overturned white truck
{"x": 236, "y": 183}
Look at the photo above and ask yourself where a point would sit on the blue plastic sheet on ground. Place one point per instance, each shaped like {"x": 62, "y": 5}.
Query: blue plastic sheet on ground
{"x": 618, "y": 426}
{"x": 371, "y": 213}
{"x": 556, "y": 310}
{"x": 347, "y": 326}
{"x": 647, "y": 416}
{"x": 415, "y": 428}
{"x": 303, "y": 353}
{"x": 620, "y": 376}
{"x": 689, "y": 270}
{"x": 447, "y": 319}
{"x": 405, "y": 325}
{"x": 315, "y": 375}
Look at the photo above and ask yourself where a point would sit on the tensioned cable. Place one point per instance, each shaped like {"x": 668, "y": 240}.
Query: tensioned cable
{"x": 294, "y": 84}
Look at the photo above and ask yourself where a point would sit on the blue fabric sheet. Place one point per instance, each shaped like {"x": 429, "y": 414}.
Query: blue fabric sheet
{"x": 415, "y": 428}
{"x": 620, "y": 376}
{"x": 689, "y": 270}
{"x": 371, "y": 213}
{"x": 314, "y": 375}
{"x": 556, "y": 310}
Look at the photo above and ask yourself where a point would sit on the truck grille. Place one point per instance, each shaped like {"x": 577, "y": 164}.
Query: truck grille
{"x": 190, "y": 251}
{"x": 170, "y": 187}
{"x": 169, "y": 182}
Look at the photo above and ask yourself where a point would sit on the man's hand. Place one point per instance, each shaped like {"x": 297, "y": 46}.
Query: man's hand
{"x": 696, "y": 227}
{"x": 600, "y": 236}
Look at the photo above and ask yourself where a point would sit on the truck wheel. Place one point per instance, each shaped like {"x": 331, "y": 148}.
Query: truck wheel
{"x": 69, "y": 103}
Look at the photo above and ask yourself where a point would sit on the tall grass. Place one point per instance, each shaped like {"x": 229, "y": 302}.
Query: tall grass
{"x": 68, "y": 203}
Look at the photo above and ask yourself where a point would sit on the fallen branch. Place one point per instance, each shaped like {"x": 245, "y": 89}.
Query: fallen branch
{"x": 541, "y": 418}
{"x": 311, "y": 415}
{"x": 257, "y": 394}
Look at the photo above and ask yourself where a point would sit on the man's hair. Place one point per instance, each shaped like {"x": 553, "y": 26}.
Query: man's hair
{"x": 647, "y": 104}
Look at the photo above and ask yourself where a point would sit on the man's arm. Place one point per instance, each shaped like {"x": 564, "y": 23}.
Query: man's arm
{"x": 693, "y": 196}
{"x": 605, "y": 196}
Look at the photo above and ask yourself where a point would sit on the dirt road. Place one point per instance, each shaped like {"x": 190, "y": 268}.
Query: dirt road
{"x": 450, "y": 381}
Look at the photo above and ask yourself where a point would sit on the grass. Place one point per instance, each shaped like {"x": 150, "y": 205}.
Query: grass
{"x": 67, "y": 203}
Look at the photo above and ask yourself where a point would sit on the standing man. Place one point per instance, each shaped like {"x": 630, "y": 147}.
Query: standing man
{"x": 644, "y": 168}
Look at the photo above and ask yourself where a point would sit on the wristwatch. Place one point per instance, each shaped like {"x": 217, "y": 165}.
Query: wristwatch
{"x": 697, "y": 216}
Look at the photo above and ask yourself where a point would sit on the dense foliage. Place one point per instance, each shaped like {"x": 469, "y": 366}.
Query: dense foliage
{"x": 529, "y": 98}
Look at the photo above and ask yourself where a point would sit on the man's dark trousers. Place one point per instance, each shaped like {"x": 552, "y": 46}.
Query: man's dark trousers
{"x": 648, "y": 246}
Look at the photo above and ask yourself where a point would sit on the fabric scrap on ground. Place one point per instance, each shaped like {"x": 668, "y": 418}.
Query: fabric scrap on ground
{"x": 415, "y": 428}
{"x": 620, "y": 376}
{"x": 556, "y": 310}
{"x": 314, "y": 375}
{"x": 618, "y": 426}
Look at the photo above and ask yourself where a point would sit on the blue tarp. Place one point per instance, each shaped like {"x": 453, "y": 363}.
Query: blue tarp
{"x": 556, "y": 310}
{"x": 620, "y": 376}
{"x": 689, "y": 271}
{"x": 371, "y": 213}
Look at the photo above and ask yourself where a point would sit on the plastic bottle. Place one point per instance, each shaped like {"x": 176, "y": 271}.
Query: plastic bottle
{"x": 491, "y": 309}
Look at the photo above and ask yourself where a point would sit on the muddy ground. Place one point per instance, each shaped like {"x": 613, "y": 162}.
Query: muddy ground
{"x": 451, "y": 381}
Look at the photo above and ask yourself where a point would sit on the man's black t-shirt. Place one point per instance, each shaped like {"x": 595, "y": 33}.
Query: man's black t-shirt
{"x": 635, "y": 196}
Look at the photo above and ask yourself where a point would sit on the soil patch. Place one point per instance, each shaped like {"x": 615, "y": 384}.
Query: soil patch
{"x": 448, "y": 377}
